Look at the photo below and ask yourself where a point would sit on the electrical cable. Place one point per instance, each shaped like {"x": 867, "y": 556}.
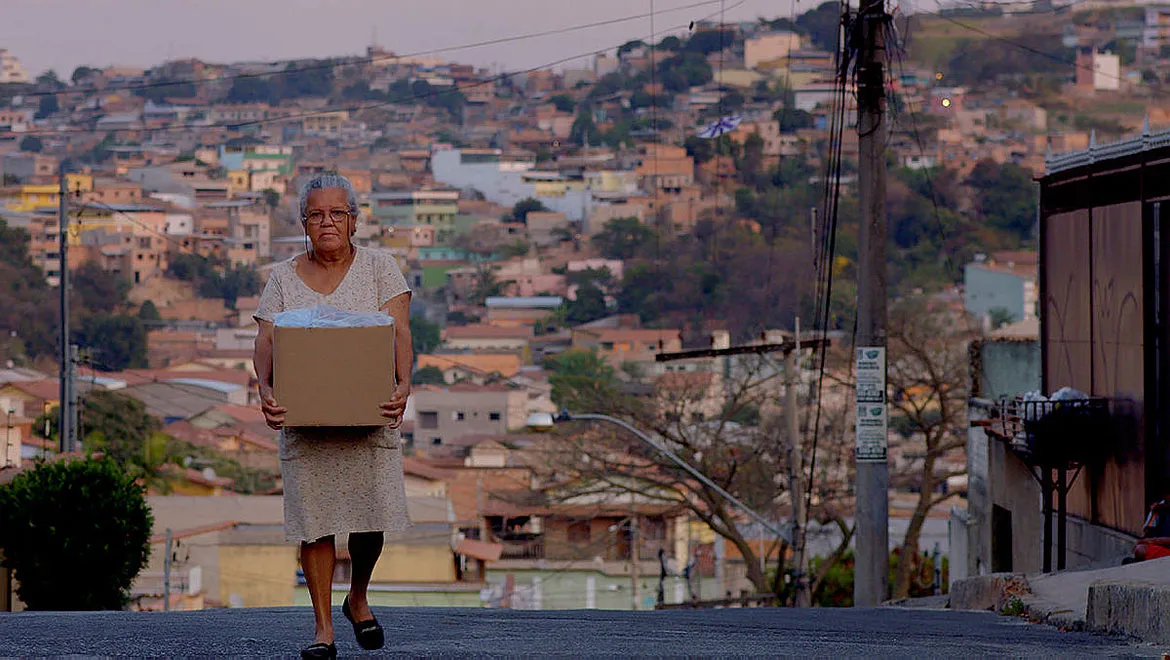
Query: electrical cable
{"x": 1025, "y": 47}
{"x": 355, "y": 108}
{"x": 343, "y": 61}
{"x": 843, "y": 54}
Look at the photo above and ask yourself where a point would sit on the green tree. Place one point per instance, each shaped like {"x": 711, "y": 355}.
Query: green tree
{"x": 563, "y": 102}
{"x": 81, "y": 73}
{"x": 999, "y": 317}
{"x": 48, "y": 106}
{"x": 793, "y": 119}
{"x": 525, "y": 206}
{"x": 624, "y": 238}
{"x": 581, "y": 379}
{"x": 50, "y": 80}
{"x": 709, "y": 41}
{"x": 630, "y": 46}
{"x": 148, "y": 312}
{"x": 684, "y": 70}
{"x": 32, "y": 144}
{"x": 28, "y": 306}
{"x": 98, "y": 290}
{"x": 271, "y": 198}
{"x": 584, "y": 128}
{"x": 822, "y": 25}
{"x": 670, "y": 43}
{"x": 118, "y": 340}
{"x": 429, "y": 375}
{"x": 487, "y": 283}
{"x": 588, "y": 306}
{"x": 231, "y": 284}
{"x": 1005, "y": 196}
{"x": 76, "y": 533}
{"x": 424, "y": 334}
{"x": 252, "y": 90}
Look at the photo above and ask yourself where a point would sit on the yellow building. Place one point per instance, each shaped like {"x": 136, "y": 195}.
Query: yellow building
{"x": 34, "y": 196}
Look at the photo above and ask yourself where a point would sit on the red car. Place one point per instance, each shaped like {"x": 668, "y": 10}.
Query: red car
{"x": 1155, "y": 541}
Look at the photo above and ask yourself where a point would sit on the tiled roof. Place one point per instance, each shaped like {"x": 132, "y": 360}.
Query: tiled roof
{"x": 505, "y": 364}
{"x": 482, "y": 331}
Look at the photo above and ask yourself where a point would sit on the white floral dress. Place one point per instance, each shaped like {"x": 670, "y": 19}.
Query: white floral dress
{"x": 340, "y": 480}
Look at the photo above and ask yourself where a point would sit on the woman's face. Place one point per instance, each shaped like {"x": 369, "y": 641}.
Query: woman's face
{"x": 328, "y": 220}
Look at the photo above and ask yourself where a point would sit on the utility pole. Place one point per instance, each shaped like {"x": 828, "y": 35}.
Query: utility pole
{"x": 634, "y": 548}
{"x": 873, "y": 473}
{"x": 796, "y": 481}
{"x": 167, "y": 574}
{"x": 65, "y": 388}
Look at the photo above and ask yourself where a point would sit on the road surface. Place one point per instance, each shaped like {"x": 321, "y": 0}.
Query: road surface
{"x": 415, "y": 632}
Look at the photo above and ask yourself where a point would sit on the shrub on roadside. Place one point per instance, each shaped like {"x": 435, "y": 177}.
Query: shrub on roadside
{"x": 75, "y": 533}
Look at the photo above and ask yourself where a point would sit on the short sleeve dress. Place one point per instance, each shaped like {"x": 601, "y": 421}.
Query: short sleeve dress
{"x": 340, "y": 480}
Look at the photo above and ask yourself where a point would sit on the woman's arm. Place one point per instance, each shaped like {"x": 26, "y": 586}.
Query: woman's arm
{"x": 262, "y": 361}
{"x": 399, "y": 308}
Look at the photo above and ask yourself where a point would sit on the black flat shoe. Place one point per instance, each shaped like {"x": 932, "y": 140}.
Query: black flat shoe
{"x": 319, "y": 651}
{"x": 369, "y": 633}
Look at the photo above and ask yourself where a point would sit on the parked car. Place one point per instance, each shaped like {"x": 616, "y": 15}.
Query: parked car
{"x": 1155, "y": 541}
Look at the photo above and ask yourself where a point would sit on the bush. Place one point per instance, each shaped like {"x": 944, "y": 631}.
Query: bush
{"x": 75, "y": 534}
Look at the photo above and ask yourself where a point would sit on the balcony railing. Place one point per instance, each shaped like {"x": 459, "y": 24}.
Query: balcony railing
{"x": 532, "y": 548}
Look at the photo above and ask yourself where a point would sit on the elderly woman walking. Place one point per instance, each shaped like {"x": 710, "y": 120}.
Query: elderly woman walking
{"x": 338, "y": 480}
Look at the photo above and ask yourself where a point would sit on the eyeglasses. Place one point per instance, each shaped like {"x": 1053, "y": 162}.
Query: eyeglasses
{"x": 337, "y": 216}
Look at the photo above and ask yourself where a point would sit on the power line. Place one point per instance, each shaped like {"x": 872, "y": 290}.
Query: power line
{"x": 1025, "y": 47}
{"x": 357, "y": 108}
{"x": 823, "y": 303}
{"x": 342, "y": 61}
{"x": 899, "y": 51}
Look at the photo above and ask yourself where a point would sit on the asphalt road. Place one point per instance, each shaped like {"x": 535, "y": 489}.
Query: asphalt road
{"x": 869, "y": 633}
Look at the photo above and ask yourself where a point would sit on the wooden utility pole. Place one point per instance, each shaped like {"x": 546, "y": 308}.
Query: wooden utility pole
{"x": 167, "y": 572}
{"x": 873, "y": 473}
{"x": 796, "y": 482}
{"x": 634, "y": 559}
{"x": 65, "y": 375}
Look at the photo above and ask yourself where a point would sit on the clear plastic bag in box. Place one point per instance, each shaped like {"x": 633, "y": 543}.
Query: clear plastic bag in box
{"x": 323, "y": 316}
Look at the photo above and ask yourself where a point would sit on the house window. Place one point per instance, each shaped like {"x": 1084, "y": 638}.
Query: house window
{"x": 653, "y": 529}
{"x": 579, "y": 532}
{"x": 428, "y": 420}
{"x": 495, "y": 417}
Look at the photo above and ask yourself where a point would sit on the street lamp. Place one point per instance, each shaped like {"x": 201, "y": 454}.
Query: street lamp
{"x": 544, "y": 422}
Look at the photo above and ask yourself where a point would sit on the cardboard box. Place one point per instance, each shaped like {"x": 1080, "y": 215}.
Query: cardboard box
{"x": 333, "y": 376}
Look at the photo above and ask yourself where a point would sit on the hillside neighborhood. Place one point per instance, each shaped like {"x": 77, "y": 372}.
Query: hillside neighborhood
{"x": 568, "y": 236}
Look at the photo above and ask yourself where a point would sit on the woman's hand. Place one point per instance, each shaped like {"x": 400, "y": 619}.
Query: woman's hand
{"x": 395, "y": 408}
{"x": 273, "y": 413}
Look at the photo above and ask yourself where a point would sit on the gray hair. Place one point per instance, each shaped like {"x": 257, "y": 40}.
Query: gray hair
{"x": 325, "y": 182}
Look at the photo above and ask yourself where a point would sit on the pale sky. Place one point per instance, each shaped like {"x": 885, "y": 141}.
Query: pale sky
{"x": 63, "y": 34}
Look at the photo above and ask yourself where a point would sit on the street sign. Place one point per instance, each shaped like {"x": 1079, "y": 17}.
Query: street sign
{"x": 872, "y": 422}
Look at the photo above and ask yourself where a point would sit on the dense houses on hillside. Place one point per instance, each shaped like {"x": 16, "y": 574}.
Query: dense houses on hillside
{"x": 211, "y": 171}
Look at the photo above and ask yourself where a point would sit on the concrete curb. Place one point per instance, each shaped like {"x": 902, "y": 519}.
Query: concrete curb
{"x": 1129, "y": 607}
{"x": 989, "y": 592}
{"x": 1038, "y": 610}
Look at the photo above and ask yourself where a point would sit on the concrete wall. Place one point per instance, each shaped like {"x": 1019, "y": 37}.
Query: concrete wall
{"x": 987, "y": 290}
{"x": 1091, "y": 545}
{"x": 257, "y": 575}
{"x": 1008, "y": 368}
{"x": 995, "y": 476}
{"x": 415, "y": 563}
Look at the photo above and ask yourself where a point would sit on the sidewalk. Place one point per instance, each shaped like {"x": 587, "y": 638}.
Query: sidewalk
{"x": 1062, "y": 598}
{"x": 1131, "y": 600}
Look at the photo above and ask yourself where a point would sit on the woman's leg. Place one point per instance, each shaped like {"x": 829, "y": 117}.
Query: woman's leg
{"x": 364, "y": 550}
{"x": 317, "y": 560}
